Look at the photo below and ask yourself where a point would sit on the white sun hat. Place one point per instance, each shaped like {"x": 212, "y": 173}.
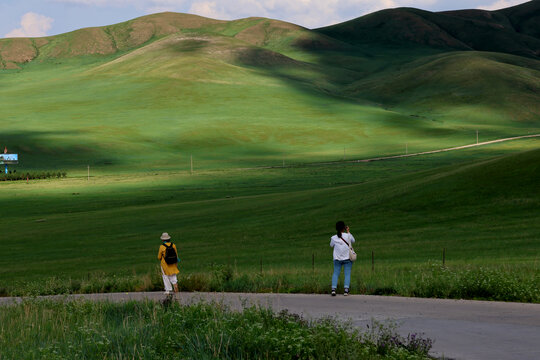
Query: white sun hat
{"x": 165, "y": 236}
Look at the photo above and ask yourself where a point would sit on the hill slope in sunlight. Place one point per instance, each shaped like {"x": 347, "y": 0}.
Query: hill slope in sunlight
{"x": 257, "y": 91}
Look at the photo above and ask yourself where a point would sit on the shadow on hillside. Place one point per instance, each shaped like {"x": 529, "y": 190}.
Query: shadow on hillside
{"x": 49, "y": 150}
{"x": 331, "y": 70}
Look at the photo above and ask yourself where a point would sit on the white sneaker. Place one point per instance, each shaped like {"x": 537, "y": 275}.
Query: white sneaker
{"x": 167, "y": 292}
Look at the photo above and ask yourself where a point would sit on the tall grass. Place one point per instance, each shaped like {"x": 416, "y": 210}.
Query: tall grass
{"x": 434, "y": 280}
{"x": 167, "y": 330}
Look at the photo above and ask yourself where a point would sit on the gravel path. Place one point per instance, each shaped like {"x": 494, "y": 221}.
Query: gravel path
{"x": 461, "y": 329}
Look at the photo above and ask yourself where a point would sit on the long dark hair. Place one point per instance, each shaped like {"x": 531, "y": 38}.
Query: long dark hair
{"x": 340, "y": 227}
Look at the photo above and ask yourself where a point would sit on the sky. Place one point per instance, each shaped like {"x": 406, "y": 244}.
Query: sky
{"x": 35, "y": 18}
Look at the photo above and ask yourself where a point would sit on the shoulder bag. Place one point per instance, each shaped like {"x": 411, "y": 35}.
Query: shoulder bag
{"x": 352, "y": 253}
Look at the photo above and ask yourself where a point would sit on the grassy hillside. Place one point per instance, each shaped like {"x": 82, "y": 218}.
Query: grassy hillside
{"x": 130, "y": 35}
{"x": 97, "y": 41}
{"x": 514, "y": 30}
{"x": 484, "y": 211}
{"x": 149, "y": 93}
{"x": 487, "y": 87}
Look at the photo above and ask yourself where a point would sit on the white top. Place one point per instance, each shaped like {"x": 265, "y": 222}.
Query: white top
{"x": 341, "y": 250}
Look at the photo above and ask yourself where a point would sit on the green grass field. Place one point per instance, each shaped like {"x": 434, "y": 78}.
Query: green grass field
{"x": 481, "y": 205}
{"x": 136, "y": 104}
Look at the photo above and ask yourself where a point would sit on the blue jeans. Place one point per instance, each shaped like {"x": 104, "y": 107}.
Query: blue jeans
{"x": 338, "y": 264}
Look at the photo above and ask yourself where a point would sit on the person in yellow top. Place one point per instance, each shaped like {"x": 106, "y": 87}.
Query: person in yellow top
{"x": 168, "y": 259}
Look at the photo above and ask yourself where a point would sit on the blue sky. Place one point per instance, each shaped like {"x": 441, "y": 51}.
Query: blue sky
{"x": 50, "y": 17}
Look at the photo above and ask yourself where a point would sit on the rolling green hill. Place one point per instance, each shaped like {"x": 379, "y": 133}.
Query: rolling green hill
{"x": 148, "y": 93}
{"x": 456, "y": 85}
{"x": 514, "y": 30}
{"x": 130, "y": 35}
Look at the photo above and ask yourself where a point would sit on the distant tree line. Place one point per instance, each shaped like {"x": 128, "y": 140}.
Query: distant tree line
{"x": 18, "y": 176}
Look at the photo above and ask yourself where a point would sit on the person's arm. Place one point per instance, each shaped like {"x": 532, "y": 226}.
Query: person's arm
{"x": 351, "y": 238}
{"x": 160, "y": 253}
{"x": 332, "y": 242}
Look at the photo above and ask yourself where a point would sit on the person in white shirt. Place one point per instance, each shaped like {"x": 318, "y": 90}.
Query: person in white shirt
{"x": 340, "y": 242}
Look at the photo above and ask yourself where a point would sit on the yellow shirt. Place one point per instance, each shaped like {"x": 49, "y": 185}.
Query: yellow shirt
{"x": 168, "y": 269}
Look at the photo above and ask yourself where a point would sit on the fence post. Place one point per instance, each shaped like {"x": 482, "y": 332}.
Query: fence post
{"x": 444, "y": 257}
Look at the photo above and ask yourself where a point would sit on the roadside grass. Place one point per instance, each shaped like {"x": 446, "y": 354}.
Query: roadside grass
{"x": 146, "y": 330}
{"x": 481, "y": 205}
{"x": 503, "y": 283}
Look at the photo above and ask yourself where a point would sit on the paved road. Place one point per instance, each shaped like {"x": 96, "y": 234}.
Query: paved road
{"x": 461, "y": 329}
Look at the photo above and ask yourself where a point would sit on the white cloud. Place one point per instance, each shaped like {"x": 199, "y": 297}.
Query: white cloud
{"x": 139, "y": 4}
{"x": 159, "y": 9}
{"x": 147, "y": 6}
{"x": 209, "y": 9}
{"x": 501, "y": 4}
{"x": 98, "y": 2}
{"x": 309, "y": 13}
{"x": 32, "y": 25}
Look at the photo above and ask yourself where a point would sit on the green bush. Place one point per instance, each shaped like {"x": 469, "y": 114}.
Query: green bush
{"x": 15, "y": 176}
{"x": 481, "y": 283}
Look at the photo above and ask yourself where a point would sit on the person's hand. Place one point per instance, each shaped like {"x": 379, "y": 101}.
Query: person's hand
{"x": 347, "y": 228}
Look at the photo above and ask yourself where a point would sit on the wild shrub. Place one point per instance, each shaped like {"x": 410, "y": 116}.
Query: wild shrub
{"x": 149, "y": 330}
{"x": 15, "y": 176}
{"x": 385, "y": 338}
{"x": 476, "y": 283}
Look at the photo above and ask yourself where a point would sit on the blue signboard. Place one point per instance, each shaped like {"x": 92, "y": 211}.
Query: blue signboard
{"x": 7, "y": 159}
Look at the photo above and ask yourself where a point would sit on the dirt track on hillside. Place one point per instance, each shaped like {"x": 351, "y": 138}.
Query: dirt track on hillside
{"x": 393, "y": 157}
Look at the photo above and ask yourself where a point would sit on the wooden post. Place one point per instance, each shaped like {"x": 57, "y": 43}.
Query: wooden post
{"x": 372, "y": 261}
{"x": 444, "y": 257}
